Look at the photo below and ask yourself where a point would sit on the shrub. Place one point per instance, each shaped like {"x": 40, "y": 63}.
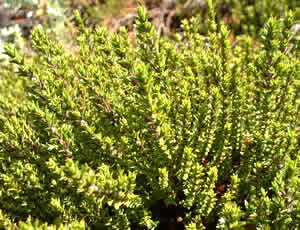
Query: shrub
{"x": 249, "y": 16}
{"x": 242, "y": 16}
{"x": 197, "y": 133}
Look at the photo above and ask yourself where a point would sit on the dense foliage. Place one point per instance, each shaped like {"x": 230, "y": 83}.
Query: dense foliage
{"x": 242, "y": 16}
{"x": 194, "y": 133}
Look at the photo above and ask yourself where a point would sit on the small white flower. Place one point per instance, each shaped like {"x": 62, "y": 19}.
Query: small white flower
{"x": 222, "y": 220}
{"x": 29, "y": 14}
{"x": 54, "y": 12}
{"x": 296, "y": 28}
{"x": 93, "y": 188}
{"x": 83, "y": 122}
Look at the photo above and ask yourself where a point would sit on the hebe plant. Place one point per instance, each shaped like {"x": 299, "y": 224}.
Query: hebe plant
{"x": 249, "y": 16}
{"x": 197, "y": 133}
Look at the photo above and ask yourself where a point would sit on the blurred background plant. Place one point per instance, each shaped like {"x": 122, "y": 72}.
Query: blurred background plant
{"x": 18, "y": 17}
{"x": 243, "y": 16}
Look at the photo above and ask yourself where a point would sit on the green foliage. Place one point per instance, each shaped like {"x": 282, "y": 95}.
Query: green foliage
{"x": 242, "y": 16}
{"x": 110, "y": 131}
{"x": 249, "y": 16}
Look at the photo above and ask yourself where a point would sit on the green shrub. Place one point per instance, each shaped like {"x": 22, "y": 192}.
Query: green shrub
{"x": 243, "y": 16}
{"x": 249, "y": 16}
{"x": 197, "y": 133}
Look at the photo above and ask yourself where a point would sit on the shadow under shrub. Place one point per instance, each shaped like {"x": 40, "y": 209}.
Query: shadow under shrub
{"x": 195, "y": 133}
